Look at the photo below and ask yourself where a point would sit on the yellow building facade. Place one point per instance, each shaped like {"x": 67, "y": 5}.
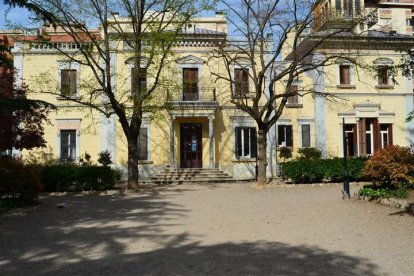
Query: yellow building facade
{"x": 198, "y": 126}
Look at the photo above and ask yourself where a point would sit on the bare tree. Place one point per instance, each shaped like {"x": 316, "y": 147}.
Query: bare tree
{"x": 148, "y": 28}
{"x": 277, "y": 45}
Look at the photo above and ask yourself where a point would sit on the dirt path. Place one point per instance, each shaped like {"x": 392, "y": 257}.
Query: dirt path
{"x": 209, "y": 230}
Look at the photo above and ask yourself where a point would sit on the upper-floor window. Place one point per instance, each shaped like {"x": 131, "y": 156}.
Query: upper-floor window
{"x": 141, "y": 77}
{"x": 384, "y": 73}
{"x": 294, "y": 99}
{"x": 68, "y": 82}
{"x": 190, "y": 84}
{"x": 241, "y": 82}
{"x": 383, "y": 76}
{"x": 344, "y": 74}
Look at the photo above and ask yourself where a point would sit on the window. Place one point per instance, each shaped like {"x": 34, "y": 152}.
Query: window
{"x": 68, "y": 145}
{"x": 190, "y": 84}
{"x": 293, "y": 100}
{"x": 306, "y": 136}
{"x": 351, "y": 140}
{"x": 284, "y": 136}
{"x": 386, "y": 135}
{"x": 383, "y": 76}
{"x": 373, "y": 136}
{"x": 241, "y": 79}
{"x": 68, "y": 82}
{"x": 344, "y": 74}
{"x": 246, "y": 142}
{"x": 143, "y": 144}
{"x": 142, "y": 78}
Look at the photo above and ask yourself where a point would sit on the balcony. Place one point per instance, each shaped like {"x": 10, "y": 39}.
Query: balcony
{"x": 194, "y": 98}
{"x": 345, "y": 19}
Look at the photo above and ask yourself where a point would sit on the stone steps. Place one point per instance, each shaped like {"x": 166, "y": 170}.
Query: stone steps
{"x": 182, "y": 176}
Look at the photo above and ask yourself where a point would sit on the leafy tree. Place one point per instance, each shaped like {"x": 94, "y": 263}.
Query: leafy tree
{"x": 22, "y": 120}
{"x": 149, "y": 28}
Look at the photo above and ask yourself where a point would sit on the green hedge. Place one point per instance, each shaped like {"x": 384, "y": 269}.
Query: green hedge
{"x": 314, "y": 171}
{"x": 73, "y": 177}
{"x": 18, "y": 180}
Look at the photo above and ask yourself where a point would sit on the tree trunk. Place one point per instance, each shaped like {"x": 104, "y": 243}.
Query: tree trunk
{"x": 133, "y": 164}
{"x": 261, "y": 157}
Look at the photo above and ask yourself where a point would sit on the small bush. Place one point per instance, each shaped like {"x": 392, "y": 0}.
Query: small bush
{"x": 309, "y": 153}
{"x": 95, "y": 178}
{"x": 392, "y": 166}
{"x": 313, "y": 171}
{"x": 285, "y": 153}
{"x": 375, "y": 192}
{"x": 104, "y": 158}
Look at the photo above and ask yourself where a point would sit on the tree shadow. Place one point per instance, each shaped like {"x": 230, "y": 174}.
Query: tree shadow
{"x": 126, "y": 234}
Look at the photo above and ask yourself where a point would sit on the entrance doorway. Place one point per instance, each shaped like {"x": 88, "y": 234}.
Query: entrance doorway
{"x": 191, "y": 145}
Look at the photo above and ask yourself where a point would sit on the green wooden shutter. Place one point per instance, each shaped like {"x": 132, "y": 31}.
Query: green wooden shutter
{"x": 238, "y": 142}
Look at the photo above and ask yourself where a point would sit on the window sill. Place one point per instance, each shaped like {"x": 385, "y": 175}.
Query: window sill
{"x": 145, "y": 162}
{"x": 294, "y": 105}
{"x": 384, "y": 86}
{"x": 60, "y": 98}
{"x": 345, "y": 86}
{"x": 243, "y": 160}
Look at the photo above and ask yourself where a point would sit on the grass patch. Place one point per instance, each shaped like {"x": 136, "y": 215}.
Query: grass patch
{"x": 381, "y": 192}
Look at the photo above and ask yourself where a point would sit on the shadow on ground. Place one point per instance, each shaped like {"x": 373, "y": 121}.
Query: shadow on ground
{"x": 129, "y": 235}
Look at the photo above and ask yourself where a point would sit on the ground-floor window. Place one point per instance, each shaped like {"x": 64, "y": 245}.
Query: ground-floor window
{"x": 143, "y": 144}
{"x": 367, "y": 136}
{"x": 68, "y": 145}
{"x": 285, "y": 135}
{"x": 246, "y": 142}
{"x": 306, "y": 135}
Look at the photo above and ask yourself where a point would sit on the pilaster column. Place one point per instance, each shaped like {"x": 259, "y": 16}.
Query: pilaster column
{"x": 211, "y": 140}
{"x": 172, "y": 148}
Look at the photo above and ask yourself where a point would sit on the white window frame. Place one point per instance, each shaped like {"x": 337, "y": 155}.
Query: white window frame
{"x": 68, "y": 65}
{"x": 68, "y": 124}
{"x": 241, "y": 121}
{"x": 309, "y": 123}
{"x": 241, "y": 63}
{"x": 284, "y": 123}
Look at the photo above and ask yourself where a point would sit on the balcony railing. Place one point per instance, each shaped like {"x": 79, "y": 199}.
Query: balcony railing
{"x": 201, "y": 94}
{"x": 346, "y": 18}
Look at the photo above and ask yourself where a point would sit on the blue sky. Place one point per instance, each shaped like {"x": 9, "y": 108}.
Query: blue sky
{"x": 18, "y": 16}
{"x": 15, "y": 16}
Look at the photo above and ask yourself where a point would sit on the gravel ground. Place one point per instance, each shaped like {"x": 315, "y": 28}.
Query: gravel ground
{"x": 208, "y": 230}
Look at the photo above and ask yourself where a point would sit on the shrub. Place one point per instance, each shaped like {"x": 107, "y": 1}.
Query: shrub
{"x": 59, "y": 177}
{"x": 392, "y": 166}
{"x": 85, "y": 159}
{"x": 18, "y": 180}
{"x": 309, "y": 153}
{"x": 312, "y": 171}
{"x": 70, "y": 176}
{"x": 104, "y": 158}
{"x": 95, "y": 178}
{"x": 285, "y": 153}
{"x": 375, "y": 192}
